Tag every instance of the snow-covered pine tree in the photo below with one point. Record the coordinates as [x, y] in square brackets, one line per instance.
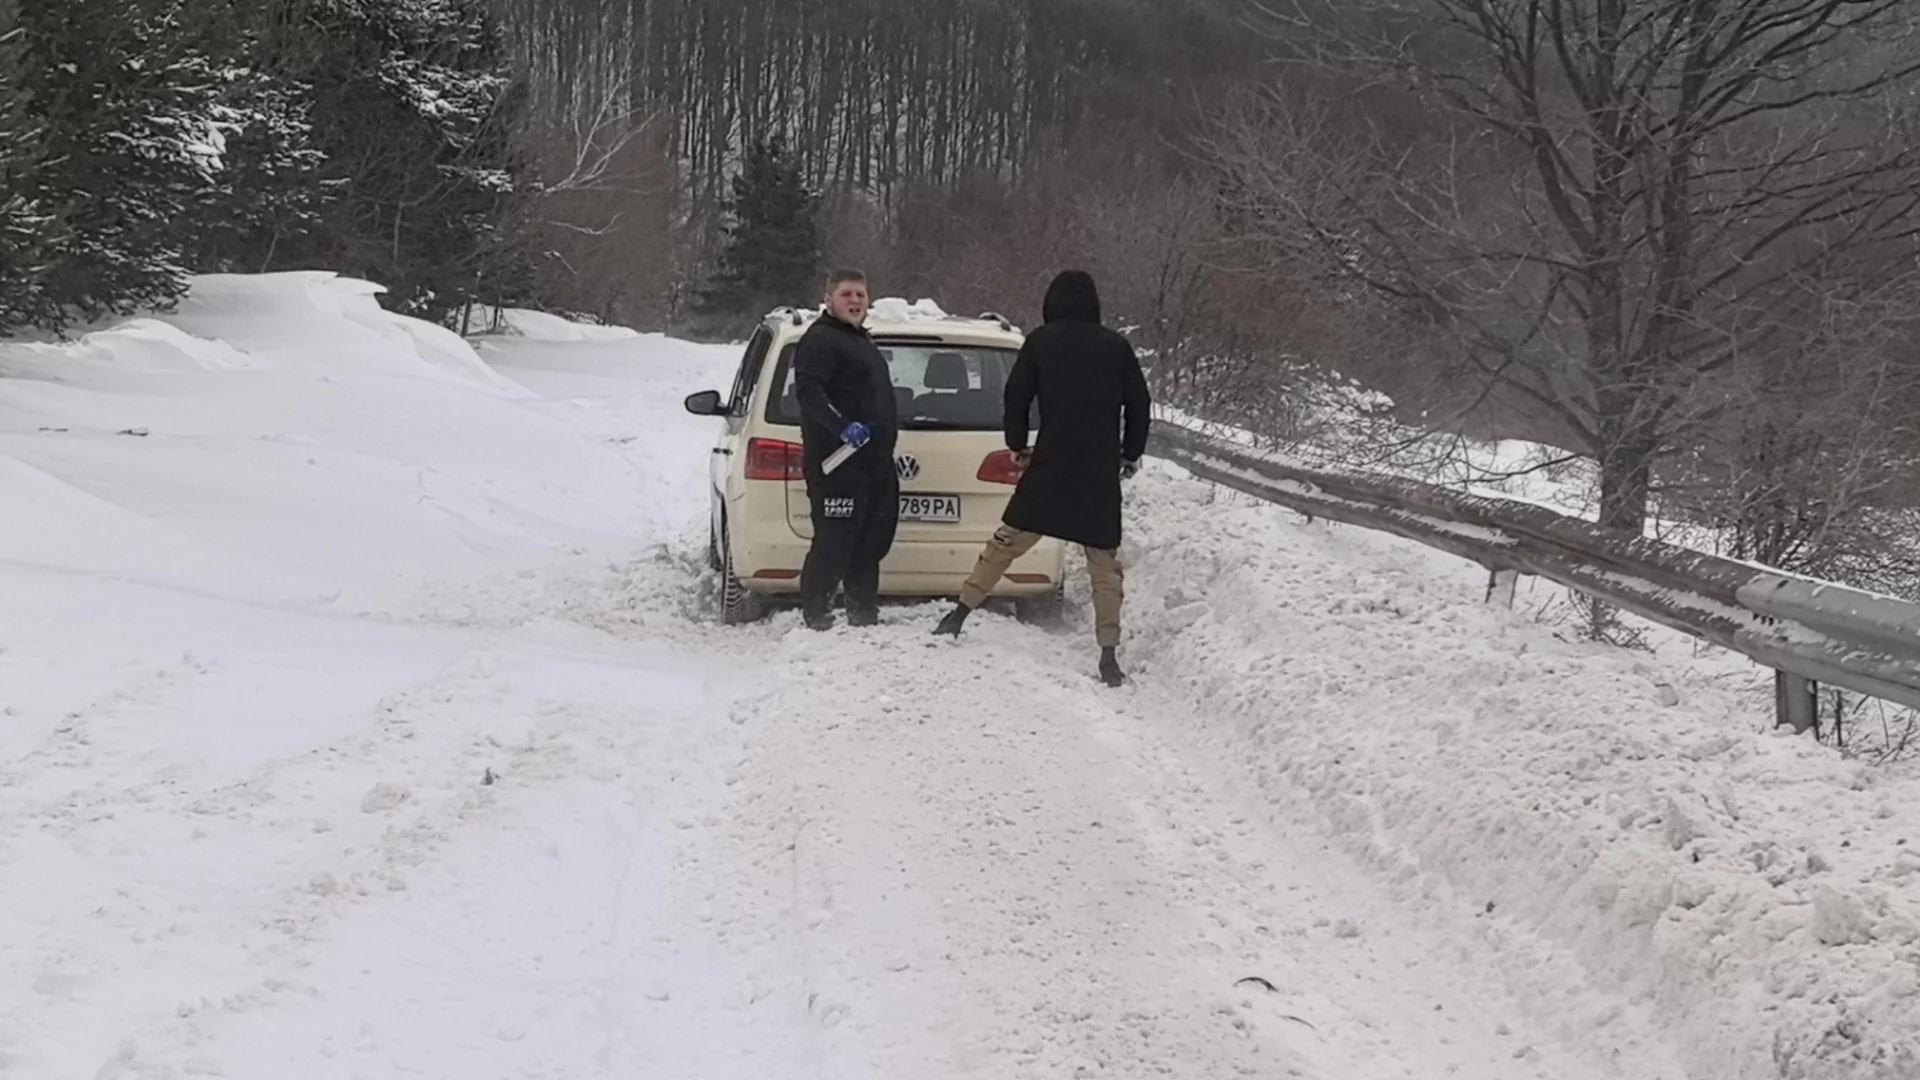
[268, 194]
[270, 191]
[123, 148]
[24, 231]
[772, 253]
[415, 107]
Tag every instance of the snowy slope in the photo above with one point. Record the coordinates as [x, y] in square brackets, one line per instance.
[361, 715]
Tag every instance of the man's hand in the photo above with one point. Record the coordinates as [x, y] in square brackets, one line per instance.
[1128, 469]
[855, 434]
[1023, 458]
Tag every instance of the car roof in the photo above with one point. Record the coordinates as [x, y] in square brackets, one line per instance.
[891, 317]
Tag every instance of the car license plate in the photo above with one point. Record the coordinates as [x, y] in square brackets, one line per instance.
[939, 508]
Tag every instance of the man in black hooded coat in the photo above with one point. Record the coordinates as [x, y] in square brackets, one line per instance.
[1094, 416]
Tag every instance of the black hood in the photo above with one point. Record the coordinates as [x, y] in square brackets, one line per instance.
[1072, 297]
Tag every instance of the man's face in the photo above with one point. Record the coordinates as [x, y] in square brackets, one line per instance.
[848, 302]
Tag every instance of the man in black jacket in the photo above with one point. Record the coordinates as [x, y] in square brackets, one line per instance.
[1094, 416]
[846, 398]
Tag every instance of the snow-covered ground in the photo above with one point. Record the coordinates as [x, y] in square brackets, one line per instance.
[362, 715]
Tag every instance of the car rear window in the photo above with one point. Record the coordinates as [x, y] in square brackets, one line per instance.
[938, 387]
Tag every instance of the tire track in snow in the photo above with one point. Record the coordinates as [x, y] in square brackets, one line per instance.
[979, 771]
[1356, 983]
[1377, 969]
[564, 940]
[903, 857]
[981, 902]
[223, 887]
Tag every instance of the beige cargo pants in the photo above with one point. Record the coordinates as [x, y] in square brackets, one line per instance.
[1009, 543]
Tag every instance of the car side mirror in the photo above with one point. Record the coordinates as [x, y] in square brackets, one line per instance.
[706, 403]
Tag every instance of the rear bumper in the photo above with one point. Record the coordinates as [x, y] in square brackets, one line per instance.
[911, 568]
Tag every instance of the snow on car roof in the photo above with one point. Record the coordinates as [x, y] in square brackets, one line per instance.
[896, 311]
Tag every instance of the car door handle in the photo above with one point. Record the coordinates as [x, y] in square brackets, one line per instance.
[723, 451]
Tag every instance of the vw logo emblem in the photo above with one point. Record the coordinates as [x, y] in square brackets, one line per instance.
[907, 466]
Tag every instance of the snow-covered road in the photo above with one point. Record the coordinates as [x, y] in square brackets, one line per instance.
[734, 854]
[393, 737]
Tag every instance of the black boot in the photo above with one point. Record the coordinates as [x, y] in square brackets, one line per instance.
[863, 616]
[1110, 668]
[818, 619]
[951, 623]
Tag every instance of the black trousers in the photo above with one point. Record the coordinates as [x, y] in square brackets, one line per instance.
[856, 511]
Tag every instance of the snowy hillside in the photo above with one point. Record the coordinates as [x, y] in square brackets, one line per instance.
[362, 715]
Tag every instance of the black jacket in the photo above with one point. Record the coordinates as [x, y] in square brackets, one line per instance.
[1094, 412]
[839, 376]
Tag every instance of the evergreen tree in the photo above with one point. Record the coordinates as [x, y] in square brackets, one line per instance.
[772, 253]
[123, 147]
[268, 195]
[24, 230]
[414, 108]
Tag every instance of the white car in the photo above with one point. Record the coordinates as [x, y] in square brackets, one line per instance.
[956, 474]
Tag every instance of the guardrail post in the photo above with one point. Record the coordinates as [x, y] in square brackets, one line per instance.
[1796, 701]
[1500, 586]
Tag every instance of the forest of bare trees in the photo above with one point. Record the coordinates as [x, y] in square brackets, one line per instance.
[914, 120]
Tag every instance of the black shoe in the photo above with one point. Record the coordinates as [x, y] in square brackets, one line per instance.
[863, 617]
[819, 620]
[1110, 669]
[951, 623]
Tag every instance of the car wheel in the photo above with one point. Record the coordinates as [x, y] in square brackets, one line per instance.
[1049, 609]
[713, 549]
[737, 604]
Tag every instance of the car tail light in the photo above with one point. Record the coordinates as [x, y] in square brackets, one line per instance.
[771, 459]
[1000, 467]
[1029, 579]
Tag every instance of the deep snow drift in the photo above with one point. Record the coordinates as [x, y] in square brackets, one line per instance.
[361, 716]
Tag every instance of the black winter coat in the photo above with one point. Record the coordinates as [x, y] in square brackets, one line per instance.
[840, 376]
[1094, 412]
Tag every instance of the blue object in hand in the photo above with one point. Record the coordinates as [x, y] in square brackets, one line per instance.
[855, 434]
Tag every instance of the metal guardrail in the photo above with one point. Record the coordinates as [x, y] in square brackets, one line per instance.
[1810, 632]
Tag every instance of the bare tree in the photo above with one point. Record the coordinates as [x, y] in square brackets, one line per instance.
[607, 220]
[1811, 470]
[1607, 201]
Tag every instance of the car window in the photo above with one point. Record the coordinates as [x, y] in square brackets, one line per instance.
[938, 387]
[749, 373]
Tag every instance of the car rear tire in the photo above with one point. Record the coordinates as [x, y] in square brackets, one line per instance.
[1049, 609]
[713, 550]
[737, 605]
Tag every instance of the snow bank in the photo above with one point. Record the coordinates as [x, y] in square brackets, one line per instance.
[282, 437]
[1342, 425]
[541, 326]
[1760, 895]
[255, 558]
